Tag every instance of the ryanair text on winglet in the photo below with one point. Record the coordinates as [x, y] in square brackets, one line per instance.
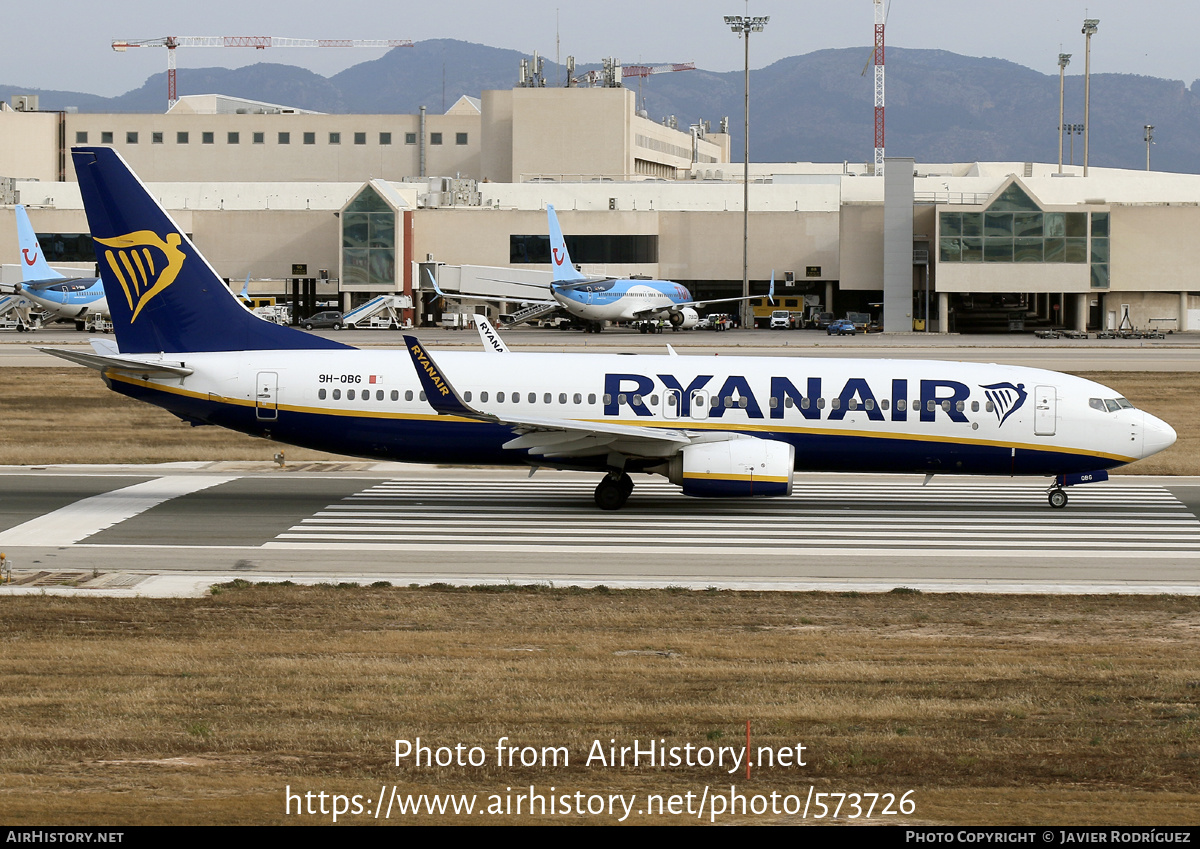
[424, 362]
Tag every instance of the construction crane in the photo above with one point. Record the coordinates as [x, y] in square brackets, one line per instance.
[258, 42]
[607, 76]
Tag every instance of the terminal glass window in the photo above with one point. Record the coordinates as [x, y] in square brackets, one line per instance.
[1014, 229]
[589, 249]
[460, 138]
[156, 138]
[285, 138]
[181, 137]
[207, 138]
[131, 138]
[385, 138]
[233, 138]
[410, 138]
[81, 137]
[369, 241]
[360, 138]
[435, 138]
[335, 138]
[310, 138]
[106, 137]
[260, 138]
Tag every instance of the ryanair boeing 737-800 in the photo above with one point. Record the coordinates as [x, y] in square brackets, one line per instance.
[715, 426]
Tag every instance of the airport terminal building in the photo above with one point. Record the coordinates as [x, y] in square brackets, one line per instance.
[349, 206]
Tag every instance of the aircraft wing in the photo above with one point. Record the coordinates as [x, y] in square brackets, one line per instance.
[461, 296]
[132, 365]
[706, 302]
[544, 436]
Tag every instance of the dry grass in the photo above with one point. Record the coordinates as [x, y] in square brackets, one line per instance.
[993, 709]
[66, 415]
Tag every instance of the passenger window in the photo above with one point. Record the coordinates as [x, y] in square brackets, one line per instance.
[835, 404]
[408, 396]
[592, 398]
[562, 397]
[728, 401]
[607, 399]
[742, 402]
[483, 397]
[395, 394]
[622, 399]
[500, 397]
[349, 394]
[337, 394]
[805, 403]
[774, 403]
[654, 400]
[532, 397]
[321, 394]
[547, 398]
[422, 395]
[467, 395]
[578, 398]
[960, 406]
[902, 404]
[990, 407]
[869, 404]
[931, 405]
[974, 406]
[820, 403]
[883, 405]
[852, 404]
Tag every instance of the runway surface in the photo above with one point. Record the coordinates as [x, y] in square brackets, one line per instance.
[175, 530]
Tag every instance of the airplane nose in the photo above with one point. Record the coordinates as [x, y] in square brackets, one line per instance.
[1158, 435]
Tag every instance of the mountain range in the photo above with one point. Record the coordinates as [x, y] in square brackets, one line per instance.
[819, 106]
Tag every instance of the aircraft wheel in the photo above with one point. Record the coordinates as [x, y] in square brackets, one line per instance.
[612, 494]
[1058, 498]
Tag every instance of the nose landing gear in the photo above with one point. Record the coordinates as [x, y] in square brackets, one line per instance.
[1057, 497]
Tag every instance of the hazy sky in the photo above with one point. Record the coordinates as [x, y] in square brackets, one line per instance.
[67, 45]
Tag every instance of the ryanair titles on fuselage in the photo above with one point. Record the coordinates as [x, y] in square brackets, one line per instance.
[950, 397]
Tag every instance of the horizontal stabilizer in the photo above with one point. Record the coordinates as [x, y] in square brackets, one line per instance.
[101, 362]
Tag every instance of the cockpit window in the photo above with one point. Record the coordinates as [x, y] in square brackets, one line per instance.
[1112, 405]
[1096, 404]
[1124, 405]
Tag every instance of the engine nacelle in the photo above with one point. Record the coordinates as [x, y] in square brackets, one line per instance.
[734, 468]
[685, 318]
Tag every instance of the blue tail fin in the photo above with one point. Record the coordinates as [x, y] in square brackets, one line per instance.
[560, 260]
[162, 294]
[33, 261]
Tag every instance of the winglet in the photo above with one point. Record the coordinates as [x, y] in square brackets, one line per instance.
[560, 260]
[438, 392]
[33, 260]
[433, 283]
[488, 335]
[771, 291]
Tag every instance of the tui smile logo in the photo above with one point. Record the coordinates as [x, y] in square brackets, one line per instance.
[25, 253]
[144, 264]
[1006, 398]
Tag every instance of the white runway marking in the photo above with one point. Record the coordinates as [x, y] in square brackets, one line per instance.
[89, 516]
[821, 518]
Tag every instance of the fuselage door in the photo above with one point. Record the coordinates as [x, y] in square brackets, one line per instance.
[1045, 410]
[266, 394]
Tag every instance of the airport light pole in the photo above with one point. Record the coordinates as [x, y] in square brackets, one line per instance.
[1064, 59]
[1090, 25]
[743, 25]
[1148, 138]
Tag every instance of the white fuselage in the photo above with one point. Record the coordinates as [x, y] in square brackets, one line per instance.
[860, 415]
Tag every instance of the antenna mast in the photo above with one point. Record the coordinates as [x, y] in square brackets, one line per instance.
[879, 22]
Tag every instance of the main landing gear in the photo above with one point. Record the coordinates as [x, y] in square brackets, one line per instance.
[613, 491]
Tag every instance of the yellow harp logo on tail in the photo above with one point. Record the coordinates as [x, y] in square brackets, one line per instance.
[144, 264]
